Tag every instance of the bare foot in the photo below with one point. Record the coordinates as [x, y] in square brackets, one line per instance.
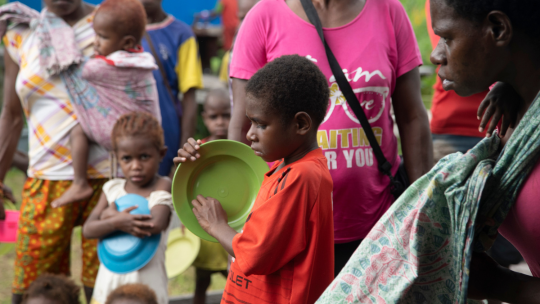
[75, 193]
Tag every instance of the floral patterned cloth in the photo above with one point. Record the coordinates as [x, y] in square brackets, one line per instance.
[104, 88]
[420, 250]
[58, 46]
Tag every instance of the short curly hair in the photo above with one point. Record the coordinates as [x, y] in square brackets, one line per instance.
[137, 124]
[130, 16]
[54, 287]
[291, 84]
[140, 292]
[524, 14]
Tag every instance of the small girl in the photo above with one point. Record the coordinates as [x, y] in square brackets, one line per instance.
[137, 140]
[52, 289]
[118, 80]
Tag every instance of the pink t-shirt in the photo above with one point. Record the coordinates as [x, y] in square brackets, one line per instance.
[374, 49]
[521, 227]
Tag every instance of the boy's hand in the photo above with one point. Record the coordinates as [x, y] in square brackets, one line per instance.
[209, 213]
[189, 151]
[134, 224]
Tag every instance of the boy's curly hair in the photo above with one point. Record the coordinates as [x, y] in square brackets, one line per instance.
[138, 292]
[137, 124]
[291, 84]
[130, 16]
[55, 287]
[524, 14]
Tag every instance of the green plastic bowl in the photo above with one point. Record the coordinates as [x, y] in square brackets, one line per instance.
[228, 171]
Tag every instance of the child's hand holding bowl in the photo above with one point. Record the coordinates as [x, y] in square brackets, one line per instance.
[210, 214]
[137, 225]
[189, 151]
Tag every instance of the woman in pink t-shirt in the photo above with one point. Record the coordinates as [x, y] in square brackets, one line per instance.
[375, 45]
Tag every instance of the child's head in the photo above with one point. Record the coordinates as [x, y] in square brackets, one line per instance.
[286, 102]
[119, 25]
[137, 140]
[52, 289]
[217, 113]
[132, 294]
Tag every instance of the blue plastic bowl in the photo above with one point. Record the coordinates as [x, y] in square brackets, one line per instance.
[122, 252]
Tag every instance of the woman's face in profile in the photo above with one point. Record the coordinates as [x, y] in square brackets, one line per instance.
[62, 8]
[466, 53]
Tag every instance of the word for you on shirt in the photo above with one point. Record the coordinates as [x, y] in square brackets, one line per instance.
[344, 141]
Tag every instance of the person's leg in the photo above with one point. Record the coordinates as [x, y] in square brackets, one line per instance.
[43, 244]
[16, 299]
[90, 261]
[80, 190]
[342, 254]
[202, 281]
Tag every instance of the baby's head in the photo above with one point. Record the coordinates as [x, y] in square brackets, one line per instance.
[137, 140]
[119, 25]
[52, 289]
[217, 113]
[132, 294]
[286, 102]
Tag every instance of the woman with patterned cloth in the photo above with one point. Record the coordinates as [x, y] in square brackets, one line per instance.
[32, 87]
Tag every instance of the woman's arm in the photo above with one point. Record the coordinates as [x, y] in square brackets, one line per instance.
[11, 121]
[189, 116]
[239, 125]
[413, 124]
[488, 280]
[134, 224]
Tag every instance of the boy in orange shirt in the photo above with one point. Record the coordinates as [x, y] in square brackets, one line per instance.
[285, 252]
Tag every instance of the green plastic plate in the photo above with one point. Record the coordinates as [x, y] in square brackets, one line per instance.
[228, 171]
[182, 249]
[7, 247]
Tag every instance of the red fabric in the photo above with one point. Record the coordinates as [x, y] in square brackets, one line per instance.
[285, 253]
[521, 226]
[451, 113]
[107, 60]
[230, 21]
[229, 15]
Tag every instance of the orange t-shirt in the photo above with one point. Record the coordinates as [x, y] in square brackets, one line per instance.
[451, 113]
[285, 253]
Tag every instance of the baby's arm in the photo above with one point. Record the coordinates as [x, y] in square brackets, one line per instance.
[134, 224]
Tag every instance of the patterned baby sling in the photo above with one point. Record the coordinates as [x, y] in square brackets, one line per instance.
[420, 250]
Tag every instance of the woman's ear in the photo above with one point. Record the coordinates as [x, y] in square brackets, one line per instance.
[500, 28]
[129, 42]
[303, 123]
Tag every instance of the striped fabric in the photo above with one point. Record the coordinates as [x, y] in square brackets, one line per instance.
[47, 107]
